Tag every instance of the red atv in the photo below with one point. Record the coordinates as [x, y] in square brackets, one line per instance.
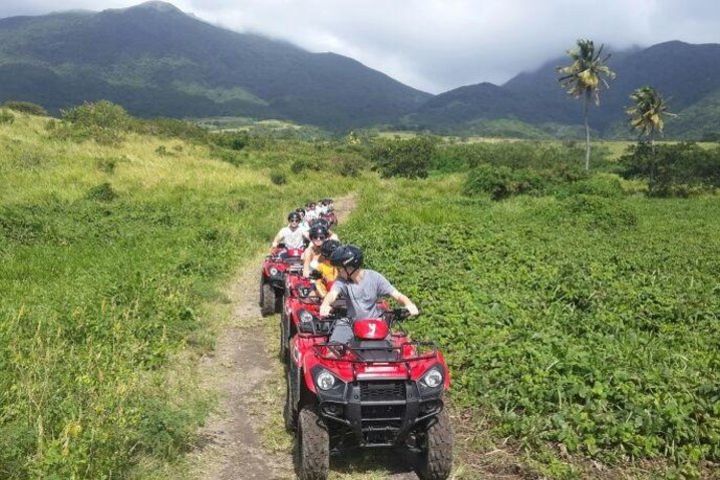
[300, 297]
[275, 267]
[378, 390]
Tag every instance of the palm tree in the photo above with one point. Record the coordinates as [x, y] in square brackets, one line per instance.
[647, 115]
[583, 79]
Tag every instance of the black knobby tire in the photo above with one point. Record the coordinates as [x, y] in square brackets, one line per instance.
[284, 338]
[313, 446]
[289, 413]
[267, 299]
[436, 458]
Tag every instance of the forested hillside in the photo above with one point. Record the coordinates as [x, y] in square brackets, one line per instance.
[157, 61]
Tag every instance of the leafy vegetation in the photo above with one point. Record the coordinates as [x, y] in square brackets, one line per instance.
[583, 321]
[674, 169]
[403, 158]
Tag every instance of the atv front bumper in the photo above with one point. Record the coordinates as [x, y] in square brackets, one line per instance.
[380, 413]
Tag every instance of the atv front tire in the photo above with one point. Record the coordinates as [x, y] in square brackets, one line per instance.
[267, 299]
[313, 446]
[289, 413]
[436, 458]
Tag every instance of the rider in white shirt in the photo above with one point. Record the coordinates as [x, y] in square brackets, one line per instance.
[292, 235]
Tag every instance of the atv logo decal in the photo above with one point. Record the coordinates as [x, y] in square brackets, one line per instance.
[373, 327]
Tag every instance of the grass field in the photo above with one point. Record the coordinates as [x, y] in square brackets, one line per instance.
[580, 329]
[107, 256]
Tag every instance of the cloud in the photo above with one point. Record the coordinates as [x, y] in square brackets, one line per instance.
[436, 45]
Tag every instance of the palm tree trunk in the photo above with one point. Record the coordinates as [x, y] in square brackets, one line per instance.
[587, 132]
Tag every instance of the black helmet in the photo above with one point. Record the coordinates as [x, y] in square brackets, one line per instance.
[347, 256]
[318, 231]
[328, 247]
[323, 222]
[294, 216]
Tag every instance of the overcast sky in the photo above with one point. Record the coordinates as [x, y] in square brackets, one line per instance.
[436, 45]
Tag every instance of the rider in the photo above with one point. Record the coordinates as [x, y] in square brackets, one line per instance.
[310, 212]
[328, 272]
[311, 256]
[292, 235]
[321, 208]
[362, 288]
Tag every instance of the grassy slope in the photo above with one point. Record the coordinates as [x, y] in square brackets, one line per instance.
[99, 294]
[587, 321]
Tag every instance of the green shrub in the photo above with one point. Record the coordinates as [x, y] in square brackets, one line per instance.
[278, 178]
[26, 107]
[102, 114]
[674, 170]
[171, 127]
[403, 158]
[502, 182]
[598, 212]
[602, 185]
[232, 140]
[229, 156]
[6, 117]
[102, 121]
[163, 151]
[348, 165]
[301, 164]
[108, 164]
[566, 158]
[102, 193]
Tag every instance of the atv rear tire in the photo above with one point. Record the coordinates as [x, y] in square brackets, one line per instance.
[436, 458]
[267, 299]
[313, 446]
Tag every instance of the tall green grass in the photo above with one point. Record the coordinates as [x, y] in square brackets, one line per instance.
[107, 255]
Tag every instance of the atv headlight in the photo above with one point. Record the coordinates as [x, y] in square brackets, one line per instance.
[325, 380]
[305, 316]
[433, 378]
[273, 271]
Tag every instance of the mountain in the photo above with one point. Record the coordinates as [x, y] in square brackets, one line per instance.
[688, 75]
[156, 60]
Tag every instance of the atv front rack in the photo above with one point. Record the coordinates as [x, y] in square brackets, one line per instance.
[418, 351]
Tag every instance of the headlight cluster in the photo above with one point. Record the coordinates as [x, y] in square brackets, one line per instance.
[433, 378]
[273, 271]
[306, 316]
[325, 380]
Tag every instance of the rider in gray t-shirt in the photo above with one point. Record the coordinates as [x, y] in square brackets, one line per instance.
[361, 288]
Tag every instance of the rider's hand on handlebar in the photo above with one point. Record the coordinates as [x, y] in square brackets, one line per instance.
[412, 309]
[325, 310]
